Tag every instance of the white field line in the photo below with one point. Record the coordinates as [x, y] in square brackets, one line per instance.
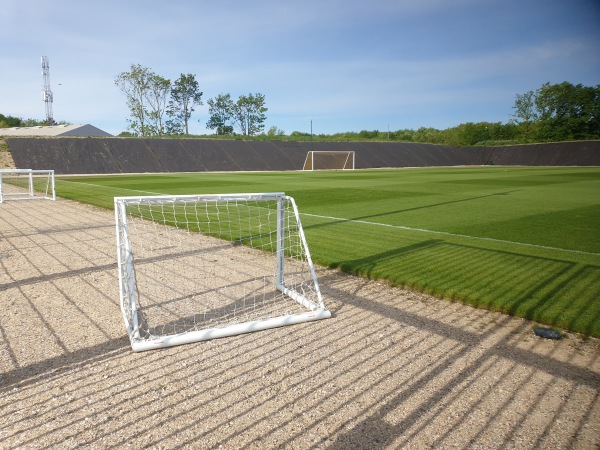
[399, 227]
[110, 187]
[445, 233]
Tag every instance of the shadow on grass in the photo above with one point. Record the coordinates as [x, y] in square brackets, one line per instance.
[549, 290]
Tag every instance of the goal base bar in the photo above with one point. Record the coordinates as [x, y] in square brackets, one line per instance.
[232, 330]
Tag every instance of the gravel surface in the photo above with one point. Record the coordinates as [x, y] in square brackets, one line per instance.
[391, 369]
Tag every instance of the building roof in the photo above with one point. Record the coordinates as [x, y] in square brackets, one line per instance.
[54, 130]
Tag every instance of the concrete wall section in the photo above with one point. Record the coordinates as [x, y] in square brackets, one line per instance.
[127, 155]
[583, 153]
[117, 155]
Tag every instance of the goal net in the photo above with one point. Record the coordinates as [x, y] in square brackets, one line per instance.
[26, 184]
[198, 267]
[323, 160]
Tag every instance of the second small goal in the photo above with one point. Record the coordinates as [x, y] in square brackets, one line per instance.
[26, 184]
[329, 160]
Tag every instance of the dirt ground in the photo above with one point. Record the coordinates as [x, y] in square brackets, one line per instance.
[6, 160]
[391, 368]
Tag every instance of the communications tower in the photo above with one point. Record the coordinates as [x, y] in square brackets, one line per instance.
[46, 92]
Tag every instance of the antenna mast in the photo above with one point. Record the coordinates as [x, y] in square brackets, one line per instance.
[46, 92]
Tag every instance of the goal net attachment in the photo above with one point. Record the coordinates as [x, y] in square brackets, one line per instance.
[323, 160]
[199, 267]
[26, 184]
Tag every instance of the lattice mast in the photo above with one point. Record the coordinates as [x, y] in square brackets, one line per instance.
[46, 91]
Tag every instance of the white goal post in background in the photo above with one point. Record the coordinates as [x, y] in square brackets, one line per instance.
[26, 184]
[325, 160]
[199, 267]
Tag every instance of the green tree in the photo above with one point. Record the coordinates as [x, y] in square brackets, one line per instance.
[249, 113]
[525, 113]
[568, 112]
[429, 135]
[157, 97]
[185, 95]
[221, 110]
[9, 121]
[134, 85]
[274, 131]
[146, 95]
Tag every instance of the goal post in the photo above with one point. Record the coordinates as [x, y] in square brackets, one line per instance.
[26, 184]
[199, 267]
[329, 160]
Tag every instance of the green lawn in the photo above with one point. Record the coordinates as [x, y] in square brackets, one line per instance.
[521, 240]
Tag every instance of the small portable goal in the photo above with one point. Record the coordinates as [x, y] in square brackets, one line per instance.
[198, 267]
[26, 184]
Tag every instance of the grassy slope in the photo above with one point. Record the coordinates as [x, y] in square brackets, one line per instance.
[473, 215]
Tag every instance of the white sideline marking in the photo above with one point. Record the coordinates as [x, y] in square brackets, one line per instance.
[110, 187]
[400, 227]
[445, 233]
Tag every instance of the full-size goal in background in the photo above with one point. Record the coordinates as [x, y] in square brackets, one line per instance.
[324, 160]
[26, 184]
[198, 267]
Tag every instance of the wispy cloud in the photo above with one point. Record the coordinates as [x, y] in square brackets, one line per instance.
[353, 64]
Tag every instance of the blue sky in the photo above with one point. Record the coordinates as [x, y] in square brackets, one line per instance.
[345, 65]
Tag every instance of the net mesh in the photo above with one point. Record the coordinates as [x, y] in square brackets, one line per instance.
[26, 184]
[334, 160]
[208, 263]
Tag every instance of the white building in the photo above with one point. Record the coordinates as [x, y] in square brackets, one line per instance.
[54, 131]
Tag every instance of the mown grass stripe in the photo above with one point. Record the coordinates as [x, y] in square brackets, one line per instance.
[112, 187]
[521, 240]
[445, 233]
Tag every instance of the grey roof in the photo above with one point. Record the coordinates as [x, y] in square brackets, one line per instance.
[54, 130]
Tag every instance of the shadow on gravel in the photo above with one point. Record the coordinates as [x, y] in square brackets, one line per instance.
[392, 369]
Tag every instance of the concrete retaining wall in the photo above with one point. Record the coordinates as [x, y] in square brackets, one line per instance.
[71, 155]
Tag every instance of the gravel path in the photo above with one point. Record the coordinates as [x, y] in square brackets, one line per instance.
[391, 369]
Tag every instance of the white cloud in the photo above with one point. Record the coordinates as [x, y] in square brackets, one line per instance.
[310, 59]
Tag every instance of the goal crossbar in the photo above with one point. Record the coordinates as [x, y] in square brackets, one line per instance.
[329, 160]
[199, 267]
[27, 184]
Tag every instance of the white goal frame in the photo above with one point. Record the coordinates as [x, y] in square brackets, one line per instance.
[27, 184]
[337, 160]
[176, 265]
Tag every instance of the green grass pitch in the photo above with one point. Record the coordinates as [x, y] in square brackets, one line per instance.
[520, 240]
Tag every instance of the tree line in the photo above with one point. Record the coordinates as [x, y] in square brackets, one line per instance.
[552, 113]
[559, 112]
[12, 122]
[160, 107]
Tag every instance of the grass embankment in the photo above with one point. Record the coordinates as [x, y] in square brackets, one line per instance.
[523, 241]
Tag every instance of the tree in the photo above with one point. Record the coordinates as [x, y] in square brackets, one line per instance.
[274, 131]
[559, 112]
[221, 110]
[249, 113]
[525, 113]
[9, 121]
[156, 96]
[185, 94]
[568, 111]
[146, 95]
[134, 85]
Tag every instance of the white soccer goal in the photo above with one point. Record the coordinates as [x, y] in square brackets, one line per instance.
[198, 267]
[324, 160]
[26, 184]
